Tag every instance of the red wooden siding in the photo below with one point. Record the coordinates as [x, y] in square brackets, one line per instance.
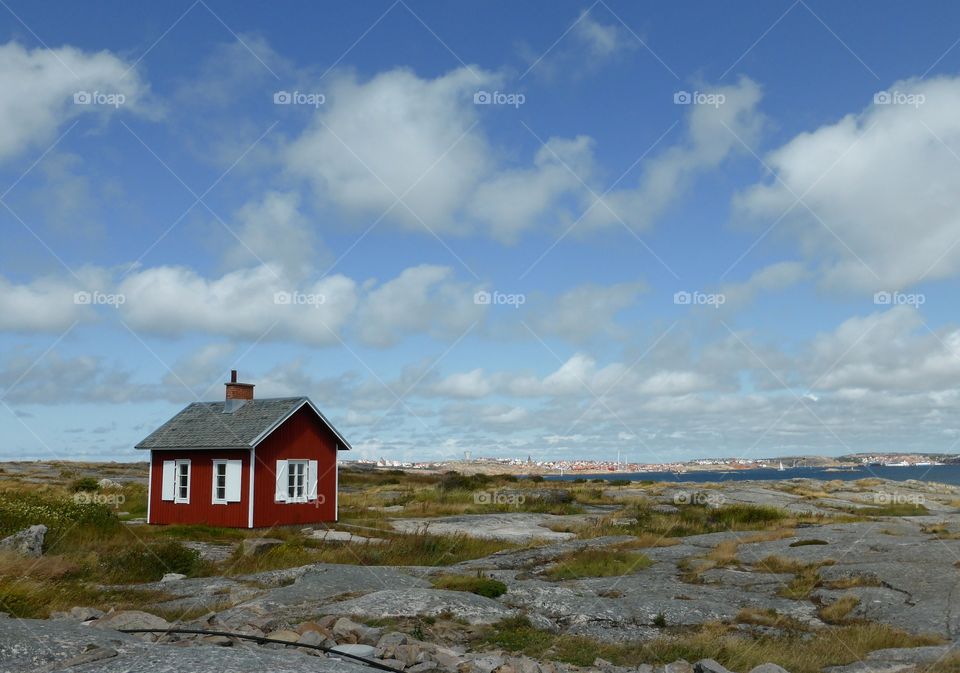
[200, 508]
[302, 437]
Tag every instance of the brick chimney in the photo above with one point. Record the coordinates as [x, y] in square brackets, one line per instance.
[237, 393]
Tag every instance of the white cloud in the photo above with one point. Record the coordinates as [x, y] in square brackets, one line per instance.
[247, 304]
[771, 278]
[31, 377]
[49, 303]
[394, 135]
[515, 200]
[37, 88]
[202, 369]
[892, 350]
[601, 40]
[466, 384]
[584, 312]
[273, 231]
[883, 187]
[714, 133]
[422, 299]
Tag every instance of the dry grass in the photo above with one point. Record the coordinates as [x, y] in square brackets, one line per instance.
[603, 562]
[799, 652]
[854, 581]
[949, 664]
[838, 611]
[806, 576]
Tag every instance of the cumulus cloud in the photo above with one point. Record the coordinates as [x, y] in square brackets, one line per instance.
[421, 299]
[714, 133]
[772, 278]
[892, 350]
[396, 135]
[201, 369]
[31, 377]
[585, 312]
[251, 303]
[517, 199]
[601, 40]
[37, 88]
[274, 231]
[880, 190]
[51, 303]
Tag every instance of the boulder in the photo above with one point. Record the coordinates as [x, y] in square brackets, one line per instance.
[131, 619]
[768, 668]
[258, 545]
[311, 638]
[28, 541]
[392, 638]
[85, 614]
[486, 663]
[709, 666]
[173, 577]
[348, 631]
[285, 635]
[409, 654]
[355, 649]
[422, 667]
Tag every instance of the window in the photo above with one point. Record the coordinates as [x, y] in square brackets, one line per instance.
[227, 475]
[219, 482]
[296, 481]
[182, 492]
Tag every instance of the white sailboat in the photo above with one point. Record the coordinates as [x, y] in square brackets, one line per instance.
[781, 468]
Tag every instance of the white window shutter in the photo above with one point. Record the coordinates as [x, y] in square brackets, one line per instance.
[312, 476]
[234, 477]
[281, 491]
[169, 483]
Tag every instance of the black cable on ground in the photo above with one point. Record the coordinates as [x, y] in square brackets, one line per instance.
[263, 639]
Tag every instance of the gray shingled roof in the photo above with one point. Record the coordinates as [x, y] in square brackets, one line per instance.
[203, 425]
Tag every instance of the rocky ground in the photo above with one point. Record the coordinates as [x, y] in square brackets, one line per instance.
[895, 570]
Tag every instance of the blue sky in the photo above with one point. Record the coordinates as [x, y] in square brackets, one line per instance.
[322, 197]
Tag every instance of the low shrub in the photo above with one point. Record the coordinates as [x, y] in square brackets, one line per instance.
[84, 484]
[478, 584]
[19, 509]
[604, 562]
[149, 562]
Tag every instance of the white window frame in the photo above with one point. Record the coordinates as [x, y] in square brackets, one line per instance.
[177, 498]
[217, 464]
[298, 481]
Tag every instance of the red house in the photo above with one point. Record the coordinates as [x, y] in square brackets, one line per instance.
[244, 463]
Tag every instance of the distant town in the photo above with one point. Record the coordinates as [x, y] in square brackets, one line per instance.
[529, 465]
